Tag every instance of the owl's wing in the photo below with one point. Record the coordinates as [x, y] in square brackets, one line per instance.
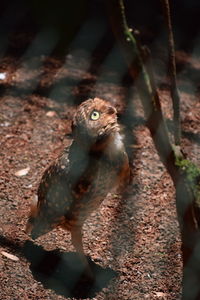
[53, 186]
[53, 198]
[63, 186]
[66, 181]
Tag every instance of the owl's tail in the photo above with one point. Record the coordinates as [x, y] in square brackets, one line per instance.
[36, 224]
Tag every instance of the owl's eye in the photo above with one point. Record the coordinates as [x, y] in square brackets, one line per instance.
[95, 115]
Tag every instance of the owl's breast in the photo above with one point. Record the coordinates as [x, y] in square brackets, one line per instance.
[97, 181]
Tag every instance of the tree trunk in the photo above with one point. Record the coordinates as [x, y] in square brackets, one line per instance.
[169, 154]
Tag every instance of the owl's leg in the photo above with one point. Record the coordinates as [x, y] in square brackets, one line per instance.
[76, 234]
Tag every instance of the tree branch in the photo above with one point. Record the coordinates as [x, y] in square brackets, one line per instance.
[149, 96]
[172, 73]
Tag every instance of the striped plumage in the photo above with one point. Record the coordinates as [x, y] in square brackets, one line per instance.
[78, 181]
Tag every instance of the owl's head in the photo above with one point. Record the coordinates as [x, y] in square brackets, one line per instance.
[95, 120]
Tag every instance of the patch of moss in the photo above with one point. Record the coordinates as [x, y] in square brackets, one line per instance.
[192, 173]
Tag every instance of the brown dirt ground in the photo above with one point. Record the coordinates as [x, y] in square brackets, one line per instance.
[134, 243]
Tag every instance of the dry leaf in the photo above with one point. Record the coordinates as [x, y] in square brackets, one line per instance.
[10, 256]
[22, 172]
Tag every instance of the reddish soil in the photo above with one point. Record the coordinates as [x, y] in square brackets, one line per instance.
[133, 243]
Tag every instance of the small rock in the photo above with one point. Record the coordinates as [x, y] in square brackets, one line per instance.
[5, 124]
[51, 114]
[2, 76]
[22, 172]
[160, 294]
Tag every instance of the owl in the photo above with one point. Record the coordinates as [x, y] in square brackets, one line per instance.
[78, 181]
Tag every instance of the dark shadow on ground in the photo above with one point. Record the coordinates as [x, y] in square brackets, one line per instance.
[193, 137]
[62, 272]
